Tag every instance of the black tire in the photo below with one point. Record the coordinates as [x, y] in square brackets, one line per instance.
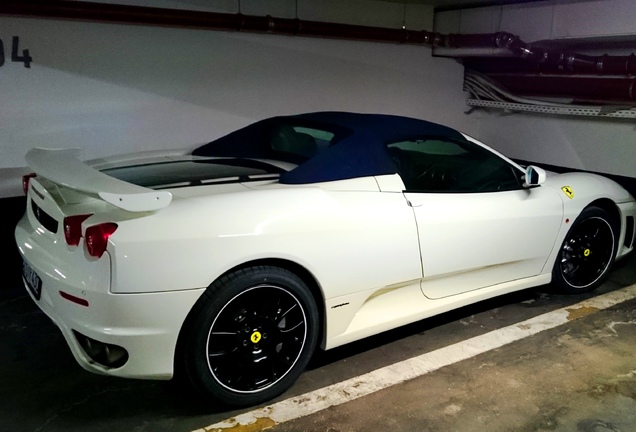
[250, 335]
[587, 252]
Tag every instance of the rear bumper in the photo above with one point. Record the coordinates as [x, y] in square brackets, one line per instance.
[146, 325]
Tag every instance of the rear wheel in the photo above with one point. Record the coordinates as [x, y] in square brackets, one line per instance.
[251, 335]
[587, 253]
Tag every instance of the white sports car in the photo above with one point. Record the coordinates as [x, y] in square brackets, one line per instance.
[233, 262]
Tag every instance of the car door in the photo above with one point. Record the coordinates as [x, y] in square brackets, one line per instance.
[477, 225]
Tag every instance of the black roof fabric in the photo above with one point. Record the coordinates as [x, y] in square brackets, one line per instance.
[358, 148]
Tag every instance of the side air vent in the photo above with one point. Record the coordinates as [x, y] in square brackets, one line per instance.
[44, 218]
[629, 232]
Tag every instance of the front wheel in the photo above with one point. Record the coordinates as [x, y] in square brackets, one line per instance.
[252, 334]
[587, 253]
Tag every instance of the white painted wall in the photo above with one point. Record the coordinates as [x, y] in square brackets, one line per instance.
[110, 89]
[602, 145]
[606, 146]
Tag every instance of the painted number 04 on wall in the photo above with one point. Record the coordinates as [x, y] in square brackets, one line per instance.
[25, 58]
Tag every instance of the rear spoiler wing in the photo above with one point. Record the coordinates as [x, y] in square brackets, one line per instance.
[63, 166]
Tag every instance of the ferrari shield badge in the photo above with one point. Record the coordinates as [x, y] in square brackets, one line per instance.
[567, 190]
[256, 337]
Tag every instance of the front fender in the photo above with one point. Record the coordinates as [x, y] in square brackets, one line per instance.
[579, 190]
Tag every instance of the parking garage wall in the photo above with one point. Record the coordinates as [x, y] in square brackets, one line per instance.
[606, 146]
[111, 89]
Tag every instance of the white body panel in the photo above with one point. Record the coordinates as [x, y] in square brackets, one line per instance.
[487, 237]
[147, 325]
[323, 231]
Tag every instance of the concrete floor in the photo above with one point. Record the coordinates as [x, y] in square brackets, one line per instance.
[577, 378]
[580, 377]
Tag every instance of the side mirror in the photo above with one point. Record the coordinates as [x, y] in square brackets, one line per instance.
[534, 176]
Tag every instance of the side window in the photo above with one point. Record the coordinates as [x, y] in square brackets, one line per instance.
[441, 165]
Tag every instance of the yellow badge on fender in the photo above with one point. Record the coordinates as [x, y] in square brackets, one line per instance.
[567, 190]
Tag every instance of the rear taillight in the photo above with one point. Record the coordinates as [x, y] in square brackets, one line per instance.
[25, 181]
[73, 228]
[97, 238]
[96, 235]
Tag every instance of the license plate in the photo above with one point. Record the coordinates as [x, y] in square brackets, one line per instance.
[33, 281]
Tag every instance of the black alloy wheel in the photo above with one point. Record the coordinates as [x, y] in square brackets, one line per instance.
[587, 253]
[256, 339]
[252, 336]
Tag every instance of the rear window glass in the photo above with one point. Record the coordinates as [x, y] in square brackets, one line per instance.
[289, 141]
[322, 136]
[298, 143]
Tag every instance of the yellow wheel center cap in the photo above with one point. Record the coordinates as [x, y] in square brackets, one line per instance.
[587, 252]
[256, 337]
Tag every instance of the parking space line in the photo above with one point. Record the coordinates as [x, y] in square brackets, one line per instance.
[363, 385]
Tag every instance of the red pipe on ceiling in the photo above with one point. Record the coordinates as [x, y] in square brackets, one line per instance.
[564, 60]
[115, 13]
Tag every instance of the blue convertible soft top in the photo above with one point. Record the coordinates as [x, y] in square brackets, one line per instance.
[356, 146]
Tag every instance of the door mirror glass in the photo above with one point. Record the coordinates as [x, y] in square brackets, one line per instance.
[534, 176]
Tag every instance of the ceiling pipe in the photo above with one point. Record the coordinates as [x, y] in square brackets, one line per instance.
[564, 60]
[524, 78]
[114, 13]
[534, 57]
[541, 72]
[580, 88]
